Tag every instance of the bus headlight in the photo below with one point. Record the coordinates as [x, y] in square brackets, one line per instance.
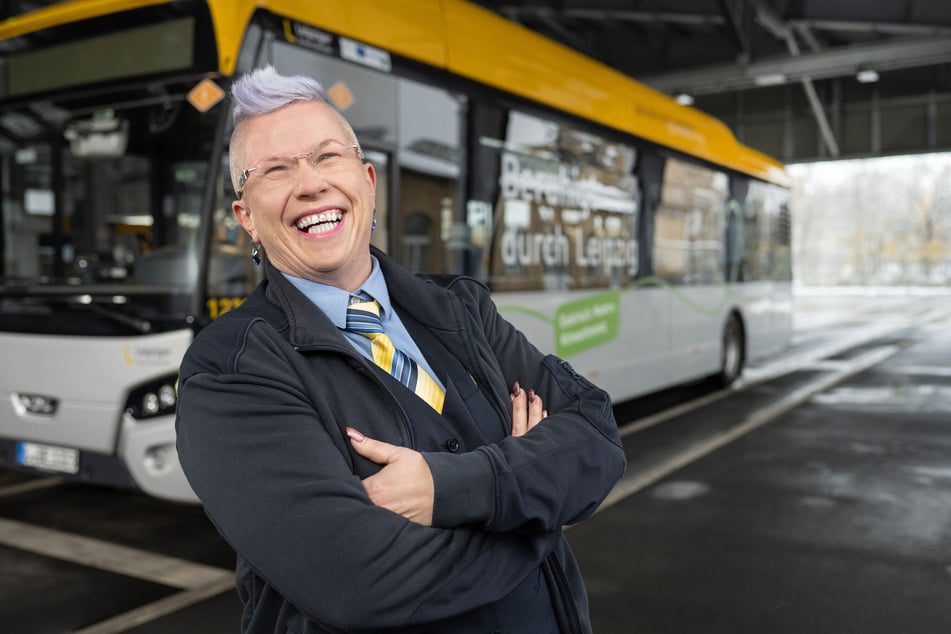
[167, 396]
[150, 404]
[156, 398]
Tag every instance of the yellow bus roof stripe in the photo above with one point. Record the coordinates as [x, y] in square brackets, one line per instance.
[413, 29]
[473, 42]
[66, 12]
[531, 66]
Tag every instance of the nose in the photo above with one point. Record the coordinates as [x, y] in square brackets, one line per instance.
[308, 179]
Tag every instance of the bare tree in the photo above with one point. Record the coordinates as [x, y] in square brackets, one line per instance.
[880, 221]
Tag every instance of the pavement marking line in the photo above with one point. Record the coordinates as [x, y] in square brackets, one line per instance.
[649, 421]
[157, 609]
[627, 487]
[95, 553]
[30, 485]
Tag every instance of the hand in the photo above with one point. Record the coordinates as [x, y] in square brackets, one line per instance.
[527, 410]
[404, 485]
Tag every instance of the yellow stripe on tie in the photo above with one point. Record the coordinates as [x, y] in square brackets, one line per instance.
[363, 317]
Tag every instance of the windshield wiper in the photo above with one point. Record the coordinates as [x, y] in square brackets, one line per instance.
[136, 323]
[82, 300]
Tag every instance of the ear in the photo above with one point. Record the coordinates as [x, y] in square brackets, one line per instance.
[243, 215]
[371, 178]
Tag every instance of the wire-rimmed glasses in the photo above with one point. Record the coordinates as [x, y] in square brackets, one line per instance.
[328, 158]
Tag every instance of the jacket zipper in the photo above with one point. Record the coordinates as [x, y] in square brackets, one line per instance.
[474, 374]
[559, 584]
[568, 617]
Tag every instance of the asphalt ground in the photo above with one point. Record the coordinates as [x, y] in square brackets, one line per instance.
[812, 498]
[832, 516]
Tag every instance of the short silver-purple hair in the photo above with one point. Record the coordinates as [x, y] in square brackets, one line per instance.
[263, 91]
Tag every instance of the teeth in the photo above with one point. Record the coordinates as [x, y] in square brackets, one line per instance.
[319, 223]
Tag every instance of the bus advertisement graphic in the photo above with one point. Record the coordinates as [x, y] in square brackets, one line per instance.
[587, 323]
[567, 209]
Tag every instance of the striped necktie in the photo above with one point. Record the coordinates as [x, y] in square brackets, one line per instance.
[363, 317]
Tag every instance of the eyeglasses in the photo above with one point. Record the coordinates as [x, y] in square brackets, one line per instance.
[279, 171]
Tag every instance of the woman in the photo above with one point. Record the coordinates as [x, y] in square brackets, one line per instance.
[354, 501]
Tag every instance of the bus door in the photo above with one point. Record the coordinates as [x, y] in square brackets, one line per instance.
[411, 132]
[688, 256]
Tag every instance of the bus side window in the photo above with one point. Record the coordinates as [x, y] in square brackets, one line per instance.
[566, 210]
[688, 224]
[417, 242]
[231, 273]
[428, 158]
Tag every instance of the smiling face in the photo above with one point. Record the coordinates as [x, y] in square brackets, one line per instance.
[314, 221]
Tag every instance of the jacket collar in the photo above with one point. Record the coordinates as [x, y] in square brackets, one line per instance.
[425, 301]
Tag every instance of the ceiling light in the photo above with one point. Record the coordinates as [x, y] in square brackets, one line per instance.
[772, 79]
[684, 99]
[867, 76]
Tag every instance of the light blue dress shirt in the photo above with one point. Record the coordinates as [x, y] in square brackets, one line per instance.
[334, 301]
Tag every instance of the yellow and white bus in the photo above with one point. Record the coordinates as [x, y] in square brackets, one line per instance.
[625, 232]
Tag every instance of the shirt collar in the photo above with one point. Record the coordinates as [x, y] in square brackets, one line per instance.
[334, 301]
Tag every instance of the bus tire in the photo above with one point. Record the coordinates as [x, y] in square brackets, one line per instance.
[732, 352]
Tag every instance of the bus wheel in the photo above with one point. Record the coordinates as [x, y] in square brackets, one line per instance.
[731, 352]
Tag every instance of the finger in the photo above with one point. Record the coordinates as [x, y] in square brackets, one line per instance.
[519, 410]
[374, 450]
[535, 409]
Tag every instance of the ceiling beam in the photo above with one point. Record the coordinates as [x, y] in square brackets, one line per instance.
[880, 28]
[781, 30]
[829, 63]
[817, 110]
[516, 12]
[659, 17]
[733, 11]
[550, 19]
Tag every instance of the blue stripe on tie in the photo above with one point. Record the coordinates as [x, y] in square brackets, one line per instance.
[363, 317]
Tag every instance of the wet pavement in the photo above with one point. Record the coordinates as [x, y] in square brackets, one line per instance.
[815, 498]
[833, 517]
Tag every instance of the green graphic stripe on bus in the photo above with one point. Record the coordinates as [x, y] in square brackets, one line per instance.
[730, 291]
[587, 323]
[675, 290]
[514, 308]
[595, 320]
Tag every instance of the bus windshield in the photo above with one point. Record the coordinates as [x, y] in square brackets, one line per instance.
[104, 193]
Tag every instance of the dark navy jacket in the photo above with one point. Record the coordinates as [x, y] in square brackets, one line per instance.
[265, 394]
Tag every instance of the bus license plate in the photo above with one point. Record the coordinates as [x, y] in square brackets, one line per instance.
[48, 457]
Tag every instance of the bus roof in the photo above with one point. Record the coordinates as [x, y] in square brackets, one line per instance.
[472, 42]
